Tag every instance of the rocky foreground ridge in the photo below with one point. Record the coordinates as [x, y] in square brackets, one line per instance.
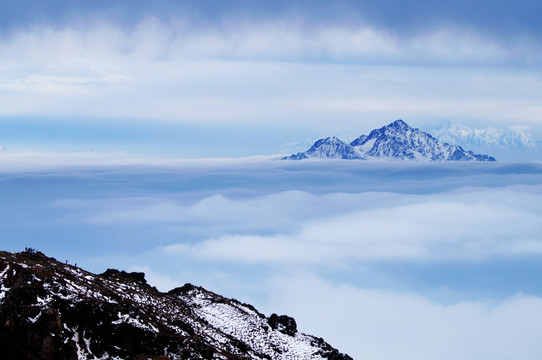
[52, 310]
[397, 141]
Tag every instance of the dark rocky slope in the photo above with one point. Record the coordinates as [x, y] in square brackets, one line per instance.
[51, 310]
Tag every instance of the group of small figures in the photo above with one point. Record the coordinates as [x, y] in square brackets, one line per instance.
[30, 250]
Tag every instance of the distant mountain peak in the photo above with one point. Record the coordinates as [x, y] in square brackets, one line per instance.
[513, 143]
[516, 137]
[394, 141]
[399, 124]
[330, 147]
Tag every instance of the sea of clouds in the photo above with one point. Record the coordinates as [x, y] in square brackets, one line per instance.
[382, 259]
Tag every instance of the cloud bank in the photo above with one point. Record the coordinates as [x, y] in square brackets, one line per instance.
[373, 323]
[427, 230]
[474, 225]
[380, 259]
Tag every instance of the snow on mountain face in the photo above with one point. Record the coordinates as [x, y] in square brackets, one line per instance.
[51, 310]
[330, 147]
[395, 141]
[513, 138]
[400, 141]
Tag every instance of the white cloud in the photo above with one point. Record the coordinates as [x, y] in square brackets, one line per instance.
[14, 161]
[272, 72]
[380, 324]
[469, 226]
[158, 42]
[251, 221]
[32, 160]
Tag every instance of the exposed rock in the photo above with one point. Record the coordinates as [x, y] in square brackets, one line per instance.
[50, 310]
[330, 147]
[395, 141]
[283, 323]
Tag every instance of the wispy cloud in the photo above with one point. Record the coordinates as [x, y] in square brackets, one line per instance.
[266, 71]
[468, 226]
[154, 41]
[31, 160]
[14, 161]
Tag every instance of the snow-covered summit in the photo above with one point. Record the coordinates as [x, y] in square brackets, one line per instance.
[330, 147]
[516, 137]
[400, 141]
[394, 141]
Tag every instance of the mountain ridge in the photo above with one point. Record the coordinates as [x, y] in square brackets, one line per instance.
[51, 310]
[516, 137]
[394, 141]
[330, 147]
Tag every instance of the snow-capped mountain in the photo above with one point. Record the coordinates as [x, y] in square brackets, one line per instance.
[400, 141]
[514, 143]
[395, 141]
[51, 310]
[330, 147]
[513, 138]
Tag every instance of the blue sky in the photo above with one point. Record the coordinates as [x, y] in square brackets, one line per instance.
[143, 135]
[143, 77]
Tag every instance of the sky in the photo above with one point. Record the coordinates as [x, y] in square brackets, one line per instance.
[213, 78]
[146, 136]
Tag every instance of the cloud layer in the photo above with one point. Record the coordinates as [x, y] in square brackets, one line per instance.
[426, 230]
[241, 72]
[372, 323]
[420, 212]
[380, 259]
